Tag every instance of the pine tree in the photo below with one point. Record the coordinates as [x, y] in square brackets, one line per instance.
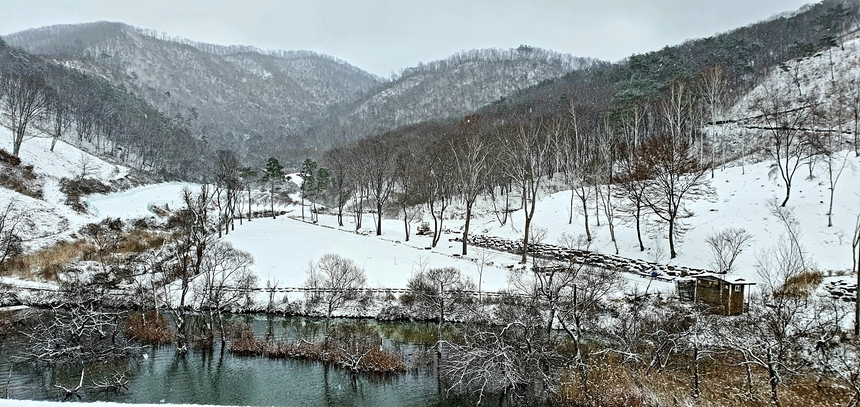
[272, 175]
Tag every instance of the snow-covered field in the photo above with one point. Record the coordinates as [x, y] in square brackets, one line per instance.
[283, 248]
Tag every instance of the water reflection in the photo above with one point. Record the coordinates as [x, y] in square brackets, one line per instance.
[215, 377]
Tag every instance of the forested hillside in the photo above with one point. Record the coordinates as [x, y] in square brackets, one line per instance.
[42, 98]
[450, 88]
[258, 102]
[236, 97]
[744, 57]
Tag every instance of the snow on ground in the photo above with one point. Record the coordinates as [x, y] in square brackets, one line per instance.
[50, 219]
[282, 249]
[811, 76]
[741, 201]
[65, 161]
[136, 202]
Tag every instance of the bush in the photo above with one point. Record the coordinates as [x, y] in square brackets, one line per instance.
[19, 179]
[148, 328]
[74, 189]
[801, 285]
[349, 353]
[8, 158]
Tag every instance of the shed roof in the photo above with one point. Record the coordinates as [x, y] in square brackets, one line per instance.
[724, 278]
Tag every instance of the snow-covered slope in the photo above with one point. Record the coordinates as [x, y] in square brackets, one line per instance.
[50, 218]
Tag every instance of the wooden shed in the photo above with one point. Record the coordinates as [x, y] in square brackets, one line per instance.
[724, 294]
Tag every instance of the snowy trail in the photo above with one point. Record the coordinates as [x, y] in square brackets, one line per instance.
[135, 202]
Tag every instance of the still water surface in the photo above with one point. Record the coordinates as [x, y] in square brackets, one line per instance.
[163, 376]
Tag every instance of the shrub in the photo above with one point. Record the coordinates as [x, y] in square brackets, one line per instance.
[357, 356]
[148, 328]
[8, 158]
[20, 179]
[801, 285]
[74, 189]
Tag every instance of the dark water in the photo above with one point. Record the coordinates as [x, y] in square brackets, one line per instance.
[218, 377]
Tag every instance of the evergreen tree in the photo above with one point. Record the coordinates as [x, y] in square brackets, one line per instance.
[272, 175]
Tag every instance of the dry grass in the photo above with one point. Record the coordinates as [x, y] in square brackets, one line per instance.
[47, 262]
[360, 359]
[137, 241]
[723, 382]
[607, 383]
[21, 180]
[801, 285]
[149, 328]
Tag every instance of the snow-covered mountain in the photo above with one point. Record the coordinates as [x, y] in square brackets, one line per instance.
[234, 93]
[243, 98]
[451, 88]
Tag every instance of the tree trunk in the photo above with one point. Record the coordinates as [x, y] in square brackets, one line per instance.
[526, 239]
[638, 227]
[378, 219]
[466, 227]
[696, 390]
[570, 220]
[672, 253]
[830, 209]
[406, 223]
[584, 200]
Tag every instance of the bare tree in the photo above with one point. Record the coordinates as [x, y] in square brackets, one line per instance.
[726, 245]
[191, 239]
[377, 160]
[224, 283]
[632, 186]
[334, 280]
[828, 145]
[10, 240]
[773, 334]
[712, 86]
[471, 165]
[59, 116]
[513, 361]
[576, 153]
[248, 176]
[788, 143]
[228, 182]
[26, 98]
[528, 155]
[439, 187]
[438, 289]
[341, 189]
[409, 195]
[677, 177]
[606, 178]
[855, 255]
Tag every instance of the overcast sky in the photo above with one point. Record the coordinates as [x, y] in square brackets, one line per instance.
[383, 36]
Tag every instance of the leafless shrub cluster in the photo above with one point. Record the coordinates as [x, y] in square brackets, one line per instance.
[357, 354]
[726, 245]
[148, 328]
